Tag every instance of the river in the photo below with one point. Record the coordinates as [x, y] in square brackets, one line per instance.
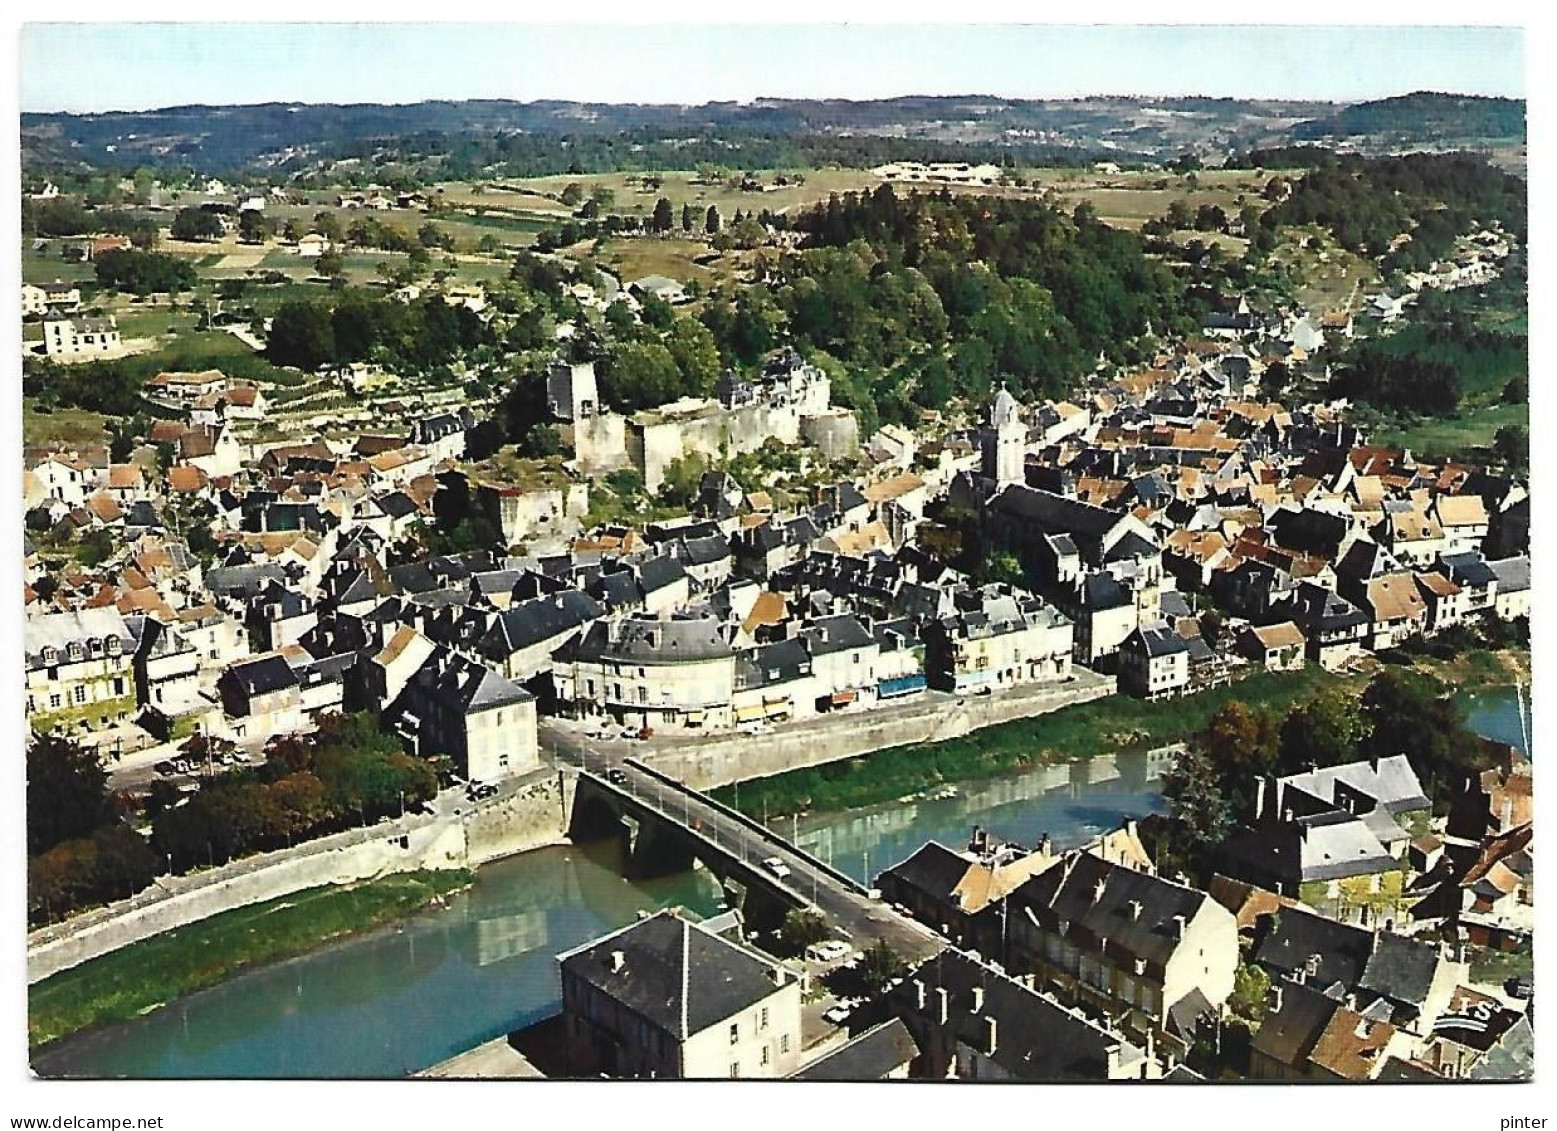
[1495, 714]
[402, 998]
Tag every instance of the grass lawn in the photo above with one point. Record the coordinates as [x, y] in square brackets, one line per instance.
[1327, 278]
[634, 258]
[1071, 734]
[1455, 436]
[1075, 733]
[1496, 966]
[46, 268]
[62, 426]
[148, 974]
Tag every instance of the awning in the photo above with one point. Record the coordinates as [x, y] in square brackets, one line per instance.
[777, 708]
[695, 718]
[843, 698]
[900, 685]
[749, 714]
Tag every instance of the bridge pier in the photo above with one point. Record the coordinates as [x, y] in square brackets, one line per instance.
[658, 849]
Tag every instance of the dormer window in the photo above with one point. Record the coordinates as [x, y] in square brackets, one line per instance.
[73, 651]
[51, 655]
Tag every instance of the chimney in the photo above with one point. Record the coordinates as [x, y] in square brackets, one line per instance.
[1135, 910]
[1097, 892]
[618, 961]
[1275, 998]
[1178, 926]
[993, 1037]
[942, 1004]
[978, 998]
[919, 993]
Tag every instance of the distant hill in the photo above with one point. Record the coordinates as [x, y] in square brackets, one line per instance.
[1421, 116]
[530, 138]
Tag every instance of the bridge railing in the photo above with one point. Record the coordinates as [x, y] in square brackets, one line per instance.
[757, 827]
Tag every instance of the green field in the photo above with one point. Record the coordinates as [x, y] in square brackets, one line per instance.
[146, 975]
[62, 426]
[1457, 436]
[45, 268]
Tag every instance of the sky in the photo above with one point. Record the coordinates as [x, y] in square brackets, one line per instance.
[91, 67]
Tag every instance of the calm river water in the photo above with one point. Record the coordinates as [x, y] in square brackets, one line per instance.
[402, 998]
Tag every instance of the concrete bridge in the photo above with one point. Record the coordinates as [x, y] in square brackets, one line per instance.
[670, 827]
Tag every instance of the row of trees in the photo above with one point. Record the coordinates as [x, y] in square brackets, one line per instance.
[80, 851]
[354, 325]
[144, 272]
[1213, 784]
[350, 772]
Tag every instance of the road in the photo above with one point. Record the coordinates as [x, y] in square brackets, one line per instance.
[944, 714]
[851, 911]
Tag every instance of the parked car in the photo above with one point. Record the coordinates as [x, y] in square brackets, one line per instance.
[830, 950]
[837, 1015]
[616, 774]
[164, 767]
[776, 866]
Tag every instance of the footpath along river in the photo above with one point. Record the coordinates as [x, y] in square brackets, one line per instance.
[402, 998]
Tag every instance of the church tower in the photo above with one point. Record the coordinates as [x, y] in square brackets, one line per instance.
[1003, 441]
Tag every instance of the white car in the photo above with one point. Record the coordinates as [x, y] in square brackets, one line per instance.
[776, 866]
[837, 1015]
[828, 951]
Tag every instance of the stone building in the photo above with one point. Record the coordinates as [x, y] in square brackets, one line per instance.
[664, 998]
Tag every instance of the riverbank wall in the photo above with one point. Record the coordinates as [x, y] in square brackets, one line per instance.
[532, 815]
[709, 764]
[528, 814]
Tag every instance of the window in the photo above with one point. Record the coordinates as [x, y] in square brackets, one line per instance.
[735, 1071]
[784, 1043]
[119, 686]
[80, 693]
[764, 1056]
[54, 702]
[735, 1032]
[643, 695]
[762, 1018]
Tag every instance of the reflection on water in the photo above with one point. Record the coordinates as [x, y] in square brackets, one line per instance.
[1495, 715]
[1069, 802]
[408, 996]
[398, 999]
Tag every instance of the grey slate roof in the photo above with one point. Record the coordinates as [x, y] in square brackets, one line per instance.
[1038, 1038]
[872, 1055]
[1070, 893]
[934, 869]
[1467, 569]
[827, 635]
[772, 664]
[1292, 935]
[675, 975]
[262, 676]
[1156, 640]
[1513, 574]
[543, 618]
